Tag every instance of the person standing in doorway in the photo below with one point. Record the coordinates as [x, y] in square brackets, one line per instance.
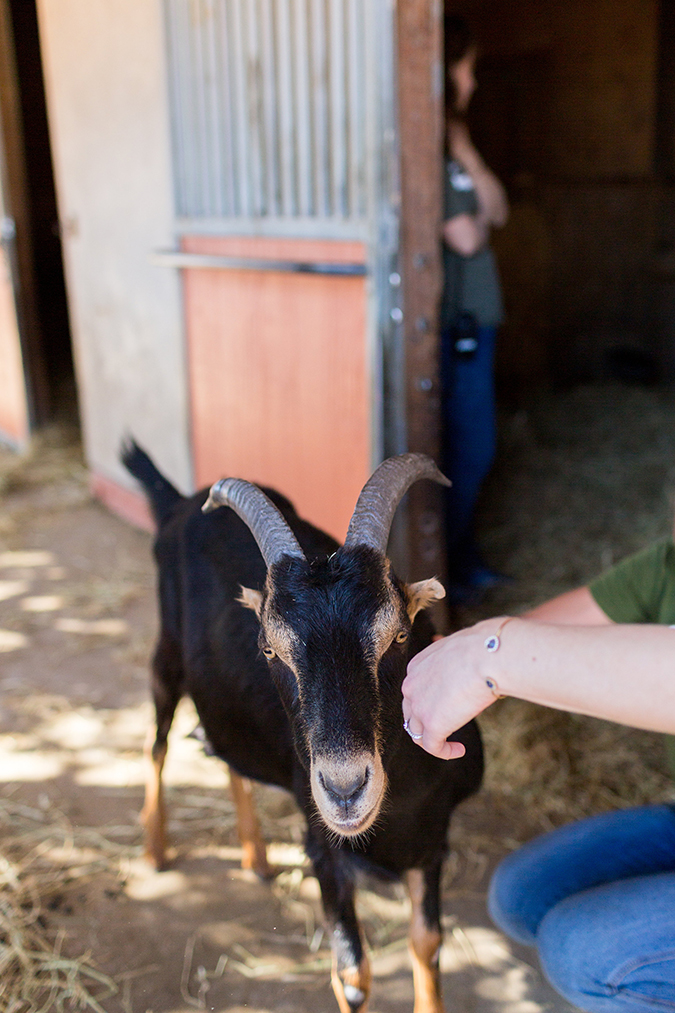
[475, 202]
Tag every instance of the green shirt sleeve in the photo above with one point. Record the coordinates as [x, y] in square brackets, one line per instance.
[641, 588]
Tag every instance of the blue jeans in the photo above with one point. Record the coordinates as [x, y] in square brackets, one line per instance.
[470, 434]
[597, 899]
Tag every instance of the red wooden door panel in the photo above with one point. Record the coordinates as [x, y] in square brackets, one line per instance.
[279, 379]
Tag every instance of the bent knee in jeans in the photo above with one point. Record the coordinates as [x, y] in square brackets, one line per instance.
[613, 947]
[577, 857]
[597, 899]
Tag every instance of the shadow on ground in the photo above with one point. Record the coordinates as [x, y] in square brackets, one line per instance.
[77, 622]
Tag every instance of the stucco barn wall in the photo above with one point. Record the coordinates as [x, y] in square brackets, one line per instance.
[107, 102]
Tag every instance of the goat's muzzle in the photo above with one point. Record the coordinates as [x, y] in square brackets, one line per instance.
[348, 792]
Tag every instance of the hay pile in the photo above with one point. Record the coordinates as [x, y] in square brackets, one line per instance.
[583, 479]
[53, 455]
[41, 855]
[53, 465]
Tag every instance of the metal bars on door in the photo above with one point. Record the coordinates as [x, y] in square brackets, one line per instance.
[272, 103]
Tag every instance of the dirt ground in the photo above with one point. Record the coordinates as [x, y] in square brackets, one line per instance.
[77, 621]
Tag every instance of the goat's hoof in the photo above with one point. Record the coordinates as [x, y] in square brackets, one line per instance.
[157, 859]
[253, 860]
[351, 987]
[267, 872]
[263, 870]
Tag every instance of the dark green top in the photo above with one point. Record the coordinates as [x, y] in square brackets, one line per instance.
[471, 284]
[641, 588]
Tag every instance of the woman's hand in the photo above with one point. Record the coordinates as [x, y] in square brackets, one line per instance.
[618, 672]
[446, 687]
[466, 234]
[461, 146]
[491, 195]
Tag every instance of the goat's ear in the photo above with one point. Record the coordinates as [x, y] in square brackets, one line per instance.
[251, 599]
[423, 594]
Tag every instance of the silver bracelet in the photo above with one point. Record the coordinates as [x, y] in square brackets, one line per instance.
[492, 644]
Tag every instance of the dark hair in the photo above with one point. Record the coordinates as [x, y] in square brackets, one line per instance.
[458, 40]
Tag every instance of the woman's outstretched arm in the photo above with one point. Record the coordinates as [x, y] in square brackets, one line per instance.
[623, 673]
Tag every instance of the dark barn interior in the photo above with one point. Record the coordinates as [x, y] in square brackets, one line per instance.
[575, 111]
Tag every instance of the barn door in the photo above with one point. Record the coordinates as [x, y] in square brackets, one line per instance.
[13, 402]
[14, 424]
[282, 137]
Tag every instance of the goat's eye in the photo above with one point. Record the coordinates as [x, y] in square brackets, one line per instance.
[269, 653]
[401, 637]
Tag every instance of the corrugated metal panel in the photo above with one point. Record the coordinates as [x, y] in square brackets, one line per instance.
[269, 103]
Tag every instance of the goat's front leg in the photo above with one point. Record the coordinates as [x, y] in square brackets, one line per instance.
[351, 971]
[253, 847]
[425, 938]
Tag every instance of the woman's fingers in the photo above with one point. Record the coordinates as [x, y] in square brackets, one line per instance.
[441, 748]
[445, 687]
[413, 727]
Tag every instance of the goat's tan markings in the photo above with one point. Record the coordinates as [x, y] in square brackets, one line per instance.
[254, 850]
[352, 981]
[422, 594]
[385, 627]
[425, 945]
[153, 815]
[281, 638]
[389, 618]
[251, 599]
[279, 635]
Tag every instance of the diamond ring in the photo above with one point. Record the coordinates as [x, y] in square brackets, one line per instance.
[412, 735]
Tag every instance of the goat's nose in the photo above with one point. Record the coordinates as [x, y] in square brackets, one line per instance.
[344, 790]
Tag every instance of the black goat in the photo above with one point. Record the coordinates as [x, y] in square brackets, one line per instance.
[303, 690]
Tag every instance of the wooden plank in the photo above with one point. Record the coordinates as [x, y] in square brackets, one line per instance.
[279, 379]
[303, 107]
[419, 32]
[287, 126]
[337, 109]
[32, 404]
[319, 91]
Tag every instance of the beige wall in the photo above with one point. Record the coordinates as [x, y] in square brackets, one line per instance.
[107, 103]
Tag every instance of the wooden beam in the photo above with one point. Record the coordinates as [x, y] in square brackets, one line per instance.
[420, 103]
[16, 200]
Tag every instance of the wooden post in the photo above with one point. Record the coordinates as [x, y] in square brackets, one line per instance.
[420, 103]
[17, 206]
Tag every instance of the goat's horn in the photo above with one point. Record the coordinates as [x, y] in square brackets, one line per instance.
[382, 493]
[268, 527]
